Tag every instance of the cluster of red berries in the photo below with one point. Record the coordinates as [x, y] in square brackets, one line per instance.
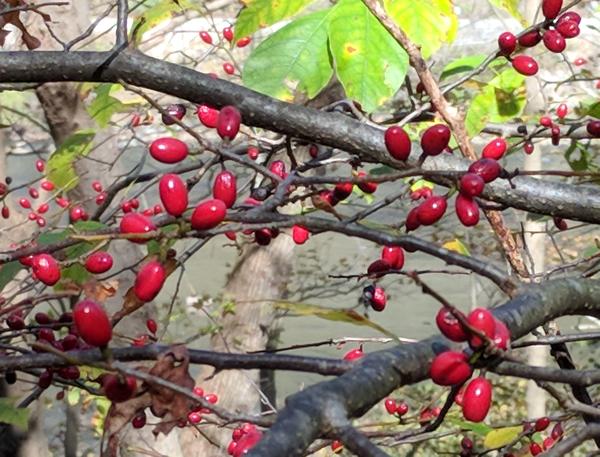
[227, 33]
[554, 34]
[540, 425]
[243, 439]
[394, 407]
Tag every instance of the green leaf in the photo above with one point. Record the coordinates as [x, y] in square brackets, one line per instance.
[501, 437]
[263, 13]
[429, 23]
[462, 65]
[479, 428]
[512, 7]
[156, 14]
[501, 100]
[578, 157]
[369, 63]
[10, 414]
[331, 314]
[294, 59]
[102, 108]
[8, 271]
[60, 168]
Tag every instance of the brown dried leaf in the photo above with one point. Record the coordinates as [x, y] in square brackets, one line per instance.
[100, 291]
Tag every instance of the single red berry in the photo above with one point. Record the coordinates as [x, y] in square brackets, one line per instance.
[152, 326]
[378, 267]
[548, 443]
[205, 36]
[501, 335]
[243, 42]
[41, 221]
[379, 299]
[530, 39]
[450, 368]
[228, 34]
[173, 112]
[435, 139]
[62, 202]
[173, 194]
[168, 150]
[551, 8]
[535, 449]
[77, 213]
[482, 320]
[495, 149]
[5, 212]
[569, 16]
[40, 165]
[48, 186]
[92, 323]
[194, 417]
[579, 61]
[33, 193]
[477, 400]
[561, 111]
[208, 214]
[367, 187]
[390, 405]
[300, 234]
[43, 208]
[32, 216]
[45, 379]
[139, 420]
[99, 262]
[313, 151]
[555, 135]
[46, 334]
[397, 142]
[278, 168]
[466, 443]
[228, 68]
[526, 65]
[412, 220]
[507, 43]
[225, 188]
[25, 203]
[101, 198]
[46, 269]
[126, 206]
[557, 431]
[228, 122]
[471, 185]
[394, 256]
[554, 41]
[149, 281]
[211, 398]
[97, 186]
[118, 389]
[546, 121]
[70, 342]
[528, 147]
[402, 409]
[593, 128]
[432, 210]
[15, 321]
[343, 190]
[253, 152]
[568, 29]
[354, 354]
[337, 446]
[207, 115]
[467, 210]
[71, 373]
[263, 237]
[542, 424]
[450, 326]
[136, 223]
[488, 169]
[42, 318]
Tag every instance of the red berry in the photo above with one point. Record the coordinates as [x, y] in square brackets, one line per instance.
[545, 121]
[278, 168]
[554, 41]
[435, 139]
[525, 65]
[97, 186]
[402, 409]
[40, 165]
[99, 262]
[228, 68]
[477, 400]
[466, 443]
[263, 237]
[228, 34]
[207, 115]
[471, 185]
[173, 112]
[42, 318]
[5, 212]
[507, 43]
[40, 221]
[211, 398]
[43, 208]
[118, 389]
[488, 169]
[593, 128]
[69, 373]
[208, 214]
[397, 142]
[530, 39]
[228, 122]
[551, 8]
[501, 335]
[33, 192]
[62, 202]
[548, 443]
[450, 368]
[495, 149]
[555, 135]
[542, 424]
[47, 186]
[432, 210]
[173, 194]
[343, 190]
[225, 188]
[535, 449]
[528, 147]
[253, 152]
[300, 234]
[139, 420]
[412, 220]
[354, 354]
[366, 187]
[46, 334]
[15, 321]
[149, 281]
[336, 446]
[243, 42]
[394, 256]
[377, 267]
[482, 320]
[194, 417]
[561, 111]
[578, 62]
[25, 203]
[168, 150]
[467, 210]
[379, 299]
[45, 379]
[77, 213]
[557, 431]
[205, 36]
[46, 269]
[390, 405]
[92, 323]
[450, 326]
[152, 326]
[569, 16]
[136, 223]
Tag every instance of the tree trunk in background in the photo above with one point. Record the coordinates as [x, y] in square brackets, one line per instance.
[536, 242]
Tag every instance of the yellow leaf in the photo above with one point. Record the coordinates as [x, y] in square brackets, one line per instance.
[457, 246]
[501, 437]
[421, 183]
